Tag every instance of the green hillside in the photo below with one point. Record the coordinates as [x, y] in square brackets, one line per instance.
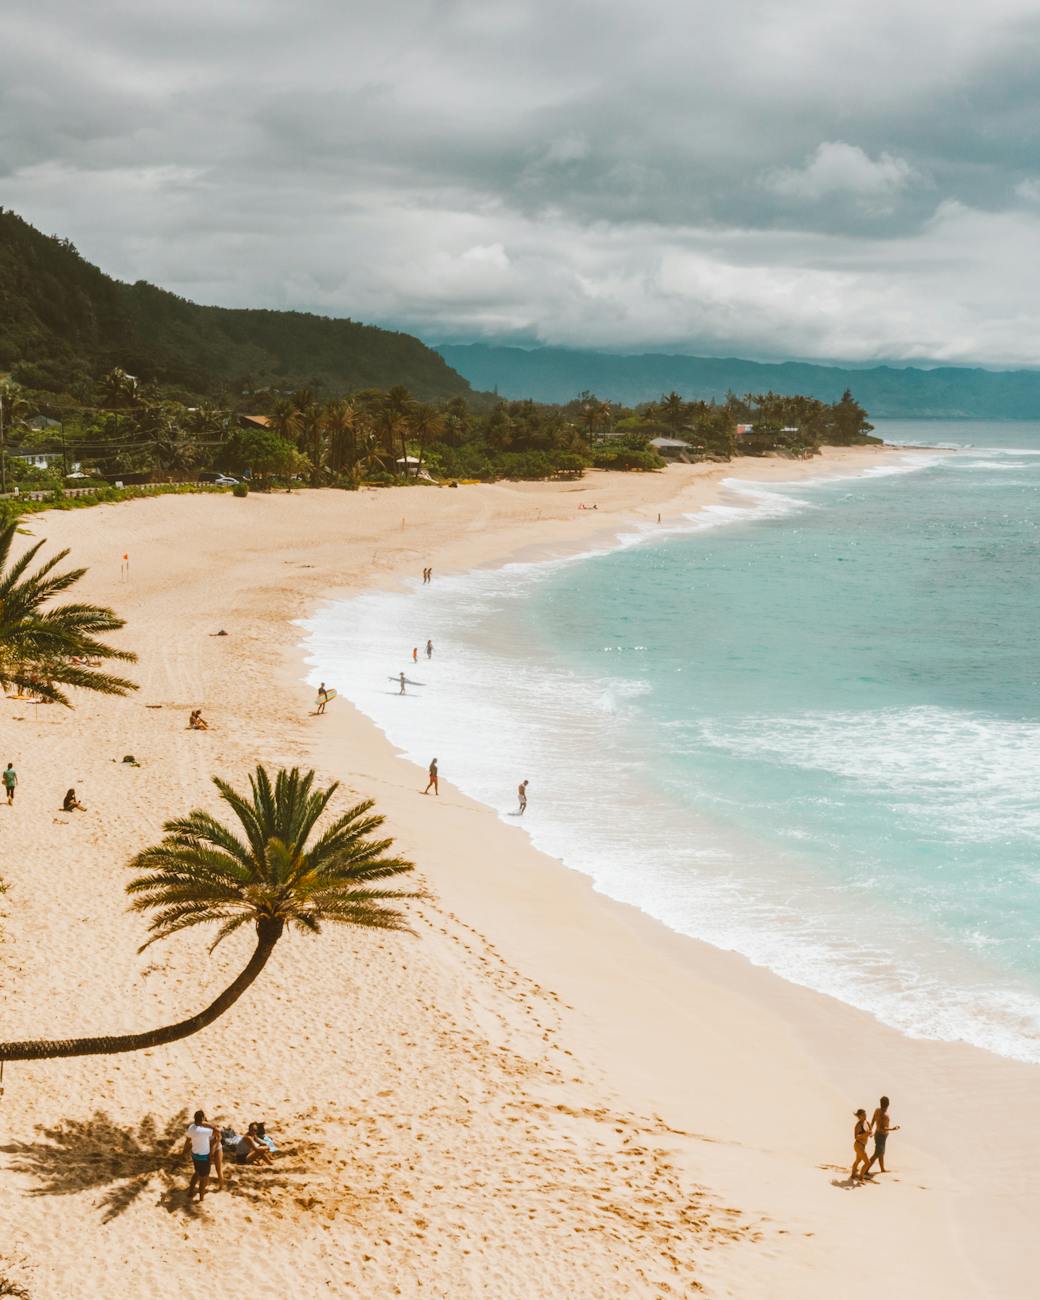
[63, 323]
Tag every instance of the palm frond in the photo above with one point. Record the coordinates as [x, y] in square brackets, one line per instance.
[45, 647]
[275, 872]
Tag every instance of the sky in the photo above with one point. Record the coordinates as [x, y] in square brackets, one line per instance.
[807, 179]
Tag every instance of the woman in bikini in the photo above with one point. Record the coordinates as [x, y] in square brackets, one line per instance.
[859, 1142]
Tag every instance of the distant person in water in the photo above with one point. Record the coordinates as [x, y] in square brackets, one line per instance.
[433, 780]
[882, 1126]
[323, 697]
[860, 1134]
[429, 649]
[415, 654]
[521, 791]
[403, 679]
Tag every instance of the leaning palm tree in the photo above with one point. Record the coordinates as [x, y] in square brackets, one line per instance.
[43, 649]
[267, 873]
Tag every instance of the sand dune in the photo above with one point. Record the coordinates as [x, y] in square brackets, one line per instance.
[538, 1094]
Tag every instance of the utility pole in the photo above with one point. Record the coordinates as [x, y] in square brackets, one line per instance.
[3, 450]
[64, 452]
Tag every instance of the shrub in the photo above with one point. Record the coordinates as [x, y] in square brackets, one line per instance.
[240, 490]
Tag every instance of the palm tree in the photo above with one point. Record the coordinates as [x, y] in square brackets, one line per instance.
[117, 388]
[425, 425]
[263, 874]
[38, 646]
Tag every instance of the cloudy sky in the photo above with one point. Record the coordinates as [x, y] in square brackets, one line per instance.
[814, 178]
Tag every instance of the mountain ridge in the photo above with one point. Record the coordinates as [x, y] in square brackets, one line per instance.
[888, 392]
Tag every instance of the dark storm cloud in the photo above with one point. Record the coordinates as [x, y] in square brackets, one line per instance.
[813, 178]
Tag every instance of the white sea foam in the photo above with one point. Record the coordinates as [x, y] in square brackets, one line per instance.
[992, 464]
[973, 776]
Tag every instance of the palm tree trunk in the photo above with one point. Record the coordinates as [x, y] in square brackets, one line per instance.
[48, 1050]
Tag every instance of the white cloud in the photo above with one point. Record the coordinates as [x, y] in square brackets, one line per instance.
[839, 168]
[561, 169]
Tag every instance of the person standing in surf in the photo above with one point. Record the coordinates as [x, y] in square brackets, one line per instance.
[415, 654]
[433, 780]
[429, 649]
[403, 679]
[521, 791]
[882, 1126]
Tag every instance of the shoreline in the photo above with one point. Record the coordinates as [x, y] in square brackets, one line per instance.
[528, 990]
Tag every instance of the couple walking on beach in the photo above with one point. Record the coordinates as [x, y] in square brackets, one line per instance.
[879, 1126]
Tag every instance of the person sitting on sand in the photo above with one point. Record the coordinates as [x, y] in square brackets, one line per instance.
[251, 1150]
[261, 1135]
[882, 1126]
[859, 1142]
[197, 722]
[71, 803]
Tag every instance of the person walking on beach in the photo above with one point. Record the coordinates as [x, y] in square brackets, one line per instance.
[859, 1144]
[433, 780]
[323, 698]
[10, 781]
[521, 790]
[882, 1126]
[429, 649]
[200, 1142]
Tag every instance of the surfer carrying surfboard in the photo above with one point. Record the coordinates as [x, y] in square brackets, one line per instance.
[323, 698]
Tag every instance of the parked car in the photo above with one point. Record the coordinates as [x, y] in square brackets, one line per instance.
[221, 480]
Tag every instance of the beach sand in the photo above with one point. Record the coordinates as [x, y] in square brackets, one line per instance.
[541, 1093]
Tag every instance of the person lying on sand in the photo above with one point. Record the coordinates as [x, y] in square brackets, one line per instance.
[71, 803]
[197, 722]
[859, 1142]
[251, 1150]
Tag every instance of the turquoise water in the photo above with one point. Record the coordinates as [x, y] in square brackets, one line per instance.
[806, 726]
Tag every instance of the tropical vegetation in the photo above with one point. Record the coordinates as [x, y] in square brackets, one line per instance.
[269, 871]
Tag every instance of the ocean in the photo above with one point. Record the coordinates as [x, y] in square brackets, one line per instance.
[803, 724]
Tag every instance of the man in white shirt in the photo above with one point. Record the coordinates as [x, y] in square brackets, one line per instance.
[200, 1141]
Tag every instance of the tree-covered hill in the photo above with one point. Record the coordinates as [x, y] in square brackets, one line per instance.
[556, 374]
[63, 323]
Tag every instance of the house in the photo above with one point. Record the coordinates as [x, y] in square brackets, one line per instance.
[671, 448]
[37, 459]
[41, 423]
[254, 421]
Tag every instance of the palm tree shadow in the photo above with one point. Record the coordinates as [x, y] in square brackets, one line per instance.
[123, 1162]
[99, 1154]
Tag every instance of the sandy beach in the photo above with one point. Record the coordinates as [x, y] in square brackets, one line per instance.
[540, 1093]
